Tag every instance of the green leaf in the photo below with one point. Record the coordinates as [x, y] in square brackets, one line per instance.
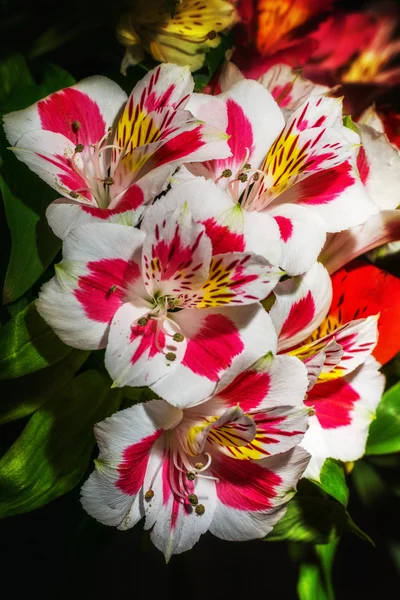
[315, 577]
[216, 56]
[33, 244]
[28, 344]
[135, 395]
[368, 483]
[349, 123]
[23, 396]
[200, 81]
[171, 6]
[13, 72]
[53, 452]
[333, 481]
[384, 432]
[25, 195]
[311, 517]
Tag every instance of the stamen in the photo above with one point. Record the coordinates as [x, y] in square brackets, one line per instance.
[204, 467]
[193, 499]
[74, 195]
[170, 356]
[142, 321]
[226, 173]
[178, 337]
[75, 125]
[108, 181]
[200, 509]
[242, 177]
[191, 476]
[149, 495]
[79, 148]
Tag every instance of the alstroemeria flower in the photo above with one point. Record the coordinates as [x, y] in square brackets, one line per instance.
[286, 85]
[172, 314]
[366, 49]
[301, 173]
[345, 385]
[228, 465]
[183, 39]
[378, 163]
[108, 155]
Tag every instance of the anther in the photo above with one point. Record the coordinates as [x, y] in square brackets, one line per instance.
[191, 476]
[200, 509]
[193, 499]
[212, 34]
[226, 173]
[108, 181]
[143, 321]
[242, 177]
[170, 304]
[256, 176]
[149, 495]
[79, 148]
[75, 125]
[178, 337]
[74, 195]
[247, 166]
[170, 356]
[112, 289]
[199, 465]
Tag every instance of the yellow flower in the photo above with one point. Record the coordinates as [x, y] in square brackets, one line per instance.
[183, 39]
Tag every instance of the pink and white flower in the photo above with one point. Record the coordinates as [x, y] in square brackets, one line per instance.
[300, 172]
[172, 314]
[286, 85]
[228, 465]
[378, 163]
[345, 385]
[106, 154]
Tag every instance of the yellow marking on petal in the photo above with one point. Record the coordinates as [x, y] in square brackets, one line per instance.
[328, 325]
[285, 160]
[136, 129]
[217, 289]
[251, 451]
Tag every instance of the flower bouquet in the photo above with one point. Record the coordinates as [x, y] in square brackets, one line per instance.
[201, 294]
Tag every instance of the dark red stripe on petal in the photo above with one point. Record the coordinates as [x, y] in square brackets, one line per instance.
[223, 239]
[213, 348]
[362, 165]
[249, 389]
[132, 470]
[73, 114]
[300, 315]
[333, 402]
[151, 340]
[179, 147]
[245, 485]
[325, 186]
[285, 227]
[101, 291]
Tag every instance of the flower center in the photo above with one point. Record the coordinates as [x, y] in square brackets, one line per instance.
[92, 164]
[254, 179]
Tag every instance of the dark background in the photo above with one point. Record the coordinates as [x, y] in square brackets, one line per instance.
[58, 551]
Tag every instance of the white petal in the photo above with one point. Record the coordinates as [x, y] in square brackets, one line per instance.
[302, 235]
[300, 306]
